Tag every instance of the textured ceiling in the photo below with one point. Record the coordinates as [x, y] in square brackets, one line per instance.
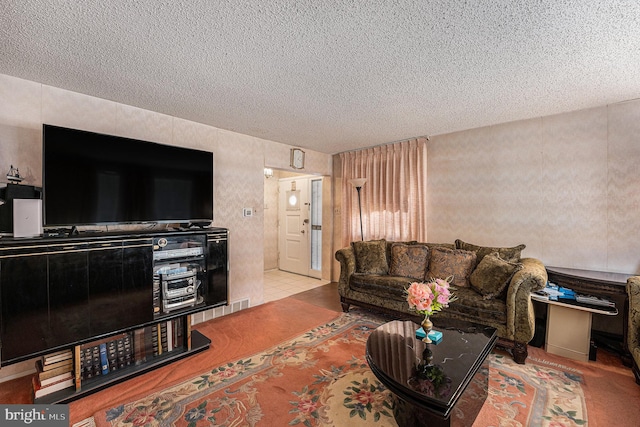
[332, 75]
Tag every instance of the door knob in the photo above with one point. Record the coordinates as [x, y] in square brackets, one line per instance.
[302, 231]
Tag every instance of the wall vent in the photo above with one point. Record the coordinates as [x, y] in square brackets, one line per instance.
[214, 313]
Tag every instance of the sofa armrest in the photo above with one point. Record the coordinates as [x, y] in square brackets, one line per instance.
[520, 316]
[347, 260]
[633, 332]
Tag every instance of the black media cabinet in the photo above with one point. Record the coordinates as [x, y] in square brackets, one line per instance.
[92, 292]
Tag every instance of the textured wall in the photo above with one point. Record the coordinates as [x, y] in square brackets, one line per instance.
[565, 185]
[271, 221]
[238, 159]
[238, 162]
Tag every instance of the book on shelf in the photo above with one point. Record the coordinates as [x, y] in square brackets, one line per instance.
[40, 390]
[163, 346]
[139, 346]
[49, 373]
[101, 357]
[178, 331]
[169, 328]
[59, 356]
[155, 339]
[112, 355]
[61, 364]
[123, 352]
[57, 378]
[104, 362]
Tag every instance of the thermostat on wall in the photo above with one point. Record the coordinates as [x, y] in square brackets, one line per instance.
[247, 212]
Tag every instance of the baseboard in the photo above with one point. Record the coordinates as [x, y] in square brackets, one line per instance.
[217, 312]
[18, 370]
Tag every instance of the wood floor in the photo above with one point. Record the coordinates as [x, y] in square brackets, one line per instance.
[324, 296]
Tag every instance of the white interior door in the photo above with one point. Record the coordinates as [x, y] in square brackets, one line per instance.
[294, 247]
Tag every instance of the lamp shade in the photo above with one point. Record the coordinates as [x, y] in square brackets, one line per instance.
[357, 182]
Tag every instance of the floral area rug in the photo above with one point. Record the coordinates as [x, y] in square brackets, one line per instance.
[321, 378]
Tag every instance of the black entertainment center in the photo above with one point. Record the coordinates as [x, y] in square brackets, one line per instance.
[132, 292]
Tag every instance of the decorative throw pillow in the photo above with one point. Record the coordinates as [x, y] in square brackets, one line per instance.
[409, 260]
[390, 244]
[441, 245]
[492, 276]
[507, 254]
[447, 262]
[371, 257]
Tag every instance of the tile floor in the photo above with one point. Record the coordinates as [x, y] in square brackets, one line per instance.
[280, 284]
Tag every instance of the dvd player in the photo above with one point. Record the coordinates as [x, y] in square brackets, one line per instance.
[177, 253]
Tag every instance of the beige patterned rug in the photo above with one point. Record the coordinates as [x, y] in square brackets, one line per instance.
[320, 378]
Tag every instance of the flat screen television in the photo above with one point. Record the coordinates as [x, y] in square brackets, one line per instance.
[95, 179]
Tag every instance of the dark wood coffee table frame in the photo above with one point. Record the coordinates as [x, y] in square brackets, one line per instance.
[393, 352]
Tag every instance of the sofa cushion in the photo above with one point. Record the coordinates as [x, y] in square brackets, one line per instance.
[492, 276]
[387, 287]
[472, 308]
[371, 257]
[390, 245]
[447, 262]
[507, 254]
[409, 260]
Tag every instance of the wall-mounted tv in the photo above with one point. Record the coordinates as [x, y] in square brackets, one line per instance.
[96, 179]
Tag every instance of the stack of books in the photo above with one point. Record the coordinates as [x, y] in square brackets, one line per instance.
[54, 372]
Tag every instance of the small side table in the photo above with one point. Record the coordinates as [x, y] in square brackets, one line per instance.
[569, 327]
[598, 283]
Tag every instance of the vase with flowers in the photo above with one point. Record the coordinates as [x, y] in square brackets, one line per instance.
[428, 298]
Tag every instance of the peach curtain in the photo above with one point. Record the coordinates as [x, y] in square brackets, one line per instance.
[394, 199]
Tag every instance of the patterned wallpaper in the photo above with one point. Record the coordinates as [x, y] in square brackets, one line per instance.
[271, 221]
[238, 164]
[564, 185]
[238, 159]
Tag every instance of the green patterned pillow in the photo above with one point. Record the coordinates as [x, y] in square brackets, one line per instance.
[409, 260]
[371, 257]
[447, 262]
[492, 276]
[507, 254]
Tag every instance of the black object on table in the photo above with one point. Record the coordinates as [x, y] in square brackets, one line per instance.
[428, 381]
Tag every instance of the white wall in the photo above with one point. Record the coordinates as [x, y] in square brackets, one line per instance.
[566, 185]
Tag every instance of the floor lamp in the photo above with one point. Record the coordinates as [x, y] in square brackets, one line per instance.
[358, 183]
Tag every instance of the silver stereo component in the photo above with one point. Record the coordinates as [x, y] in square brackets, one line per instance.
[178, 302]
[179, 289]
[178, 253]
[177, 285]
[178, 268]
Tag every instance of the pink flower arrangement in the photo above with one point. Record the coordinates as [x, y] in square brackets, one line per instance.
[431, 297]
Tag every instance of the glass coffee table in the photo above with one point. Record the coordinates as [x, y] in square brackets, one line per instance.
[442, 384]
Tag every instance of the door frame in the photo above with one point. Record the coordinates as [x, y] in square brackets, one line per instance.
[327, 215]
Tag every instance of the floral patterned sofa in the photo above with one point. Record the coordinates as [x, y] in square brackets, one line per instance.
[493, 284]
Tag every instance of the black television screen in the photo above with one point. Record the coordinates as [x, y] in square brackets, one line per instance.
[91, 178]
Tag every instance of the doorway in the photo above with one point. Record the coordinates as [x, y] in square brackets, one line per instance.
[300, 225]
[294, 226]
